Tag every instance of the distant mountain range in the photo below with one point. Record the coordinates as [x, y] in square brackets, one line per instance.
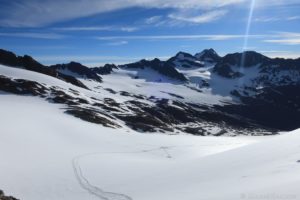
[201, 94]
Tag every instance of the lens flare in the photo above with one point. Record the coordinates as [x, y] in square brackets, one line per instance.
[249, 24]
[246, 38]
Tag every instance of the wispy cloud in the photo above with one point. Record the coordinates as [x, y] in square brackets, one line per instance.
[127, 29]
[275, 19]
[228, 37]
[118, 43]
[185, 17]
[35, 13]
[285, 38]
[176, 37]
[293, 18]
[270, 3]
[98, 28]
[280, 54]
[294, 41]
[266, 19]
[199, 19]
[153, 20]
[34, 35]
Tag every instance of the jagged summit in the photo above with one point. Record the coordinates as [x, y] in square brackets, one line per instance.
[182, 93]
[76, 69]
[162, 67]
[208, 55]
[10, 59]
[232, 65]
[185, 60]
[183, 55]
[106, 69]
[245, 59]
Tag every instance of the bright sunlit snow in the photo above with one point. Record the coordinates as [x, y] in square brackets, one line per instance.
[150, 100]
[46, 154]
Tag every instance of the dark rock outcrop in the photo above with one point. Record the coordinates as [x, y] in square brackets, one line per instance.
[275, 107]
[10, 59]
[164, 68]
[239, 60]
[245, 59]
[226, 71]
[4, 197]
[185, 60]
[267, 103]
[91, 116]
[208, 55]
[77, 70]
[20, 86]
[106, 69]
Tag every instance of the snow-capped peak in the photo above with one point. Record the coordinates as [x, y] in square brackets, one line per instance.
[183, 55]
[185, 60]
[209, 55]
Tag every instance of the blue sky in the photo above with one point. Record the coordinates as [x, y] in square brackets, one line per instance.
[95, 32]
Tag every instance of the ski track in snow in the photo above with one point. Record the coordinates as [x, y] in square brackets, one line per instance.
[100, 193]
[94, 190]
[105, 195]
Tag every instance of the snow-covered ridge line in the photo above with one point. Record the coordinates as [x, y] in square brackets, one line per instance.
[123, 109]
[191, 94]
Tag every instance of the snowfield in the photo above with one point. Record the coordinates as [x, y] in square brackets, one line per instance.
[145, 85]
[46, 154]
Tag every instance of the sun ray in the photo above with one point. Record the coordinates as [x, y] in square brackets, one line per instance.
[249, 21]
[246, 38]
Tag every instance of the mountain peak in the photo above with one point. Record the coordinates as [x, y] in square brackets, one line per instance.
[208, 55]
[183, 55]
[185, 60]
[246, 58]
[210, 50]
[77, 68]
[105, 70]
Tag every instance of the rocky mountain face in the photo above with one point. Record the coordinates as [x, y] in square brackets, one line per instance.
[162, 67]
[205, 94]
[105, 70]
[4, 197]
[77, 70]
[27, 62]
[184, 60]
[208, 55]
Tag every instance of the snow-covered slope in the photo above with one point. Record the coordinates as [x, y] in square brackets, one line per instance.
[140, 104]
[71, 132]
[150, 83]
[203, 94]
[46, 154]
